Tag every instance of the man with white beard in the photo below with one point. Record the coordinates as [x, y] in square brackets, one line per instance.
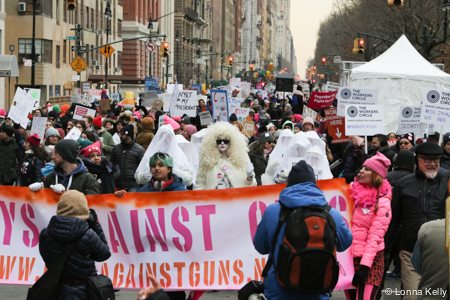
[417, 199]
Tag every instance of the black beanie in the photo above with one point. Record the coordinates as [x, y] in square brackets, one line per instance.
[300, 173]
[429, 148]
[233, 117]
[53, 114]
[9, 130]
[404, 160]
[68, 150]
[128, 130]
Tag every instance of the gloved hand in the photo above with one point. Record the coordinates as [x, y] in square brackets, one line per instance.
[249, 169]
[58, 188]
[275, 164]
[93, 219]
[360, 275]
[282, 177]
[36, 187]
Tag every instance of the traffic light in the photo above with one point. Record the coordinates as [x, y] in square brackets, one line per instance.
[263, 84]
[270, 68]
[324, 61]
[395, 3]
[166, 49]
[71, 5]
[230, 61]
[255, 74]
[251, 67]
[361, 46]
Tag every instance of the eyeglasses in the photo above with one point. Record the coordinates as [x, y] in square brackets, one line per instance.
[269, 142]
[218, 142]
[404, 143]
[52, 119]
[428, 160]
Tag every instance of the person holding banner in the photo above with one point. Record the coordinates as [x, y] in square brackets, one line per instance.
[35, 156]
[224, 161]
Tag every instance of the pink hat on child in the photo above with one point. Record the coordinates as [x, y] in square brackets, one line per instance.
[379, 164]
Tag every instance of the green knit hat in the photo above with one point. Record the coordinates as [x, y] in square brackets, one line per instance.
[56, 108]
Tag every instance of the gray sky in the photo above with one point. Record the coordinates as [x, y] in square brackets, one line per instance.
[306, 17]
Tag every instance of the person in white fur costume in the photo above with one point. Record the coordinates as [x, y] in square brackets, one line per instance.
[224, 162]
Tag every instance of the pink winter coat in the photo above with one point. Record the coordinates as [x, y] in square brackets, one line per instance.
[368, 227]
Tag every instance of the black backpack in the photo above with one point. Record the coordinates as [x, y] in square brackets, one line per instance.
[307, 256]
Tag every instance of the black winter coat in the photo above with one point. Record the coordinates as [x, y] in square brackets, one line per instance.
[10, 161]
[30, 172]
[445, 161]
[416, 200]
[128, 157]
[87, 242]
[260, 165]
[396, 175]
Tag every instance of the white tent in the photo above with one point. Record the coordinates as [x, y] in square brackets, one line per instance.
[400, 74]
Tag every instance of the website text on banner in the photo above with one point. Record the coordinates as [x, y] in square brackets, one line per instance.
[364, 120]
[348, 95]
[185, 241]
[321, 100]
[436, 109]
[336, 126]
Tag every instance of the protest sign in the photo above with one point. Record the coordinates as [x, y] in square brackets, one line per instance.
[190, 236]
[173, 99]
[148, 98]
[161, 121]
[158, 104]
[234, 103]
[86, 87]
[336, 126]
[205, 118]
[409, 120]
[249, 127]
[197, 87]
[38, 127]
[116, 138]
[81, 111]
[114, 97]
[105, 104]
[321, 100]
[348, 95]
[259, 86]
[97, 93]
[75, 99]
[235, 81]
[86, 100]
[171, 87]
[74, 134]
[36, 95]
[186, 104]
[392, 142]
[219, 105]
[308, 112]
[23, 103]
[436, 109]
[364, 119]
[332, 86]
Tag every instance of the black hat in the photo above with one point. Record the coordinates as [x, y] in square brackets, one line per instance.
[53, 114]
[428, 148]
[300, 173]
[128, 130]
[186, 120]
[265, 137]
[68, 150]
[446, 138]
[9, 130]
[233, 117]
[409, 136]
[405, 160]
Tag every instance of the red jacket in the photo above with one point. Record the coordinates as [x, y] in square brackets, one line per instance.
[370, 222]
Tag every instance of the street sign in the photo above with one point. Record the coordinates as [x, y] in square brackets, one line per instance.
[150, 47]
[81, 48]
[107, 50]
[78, 64]
[28, 63]
[337, 59]
[71, 38]
[169, 75]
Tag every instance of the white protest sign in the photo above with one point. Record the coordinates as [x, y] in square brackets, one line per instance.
[36, 95]
[235, 81]
[81, 111]
[23, 104]
[75, 99]
[242, 113]
[364, 119]
[74, 134]
[171, 87]
[436, 109]
[234, 103]
[86, 100]
[148, 98]
[332, 86]
[409, 120]
[349, 95]
[186, 104]
[205, 118]
[173, 100]
[86, 87]
[38, 127]
[308, 112]
[219, 105]
[116, 138]
[161, 121]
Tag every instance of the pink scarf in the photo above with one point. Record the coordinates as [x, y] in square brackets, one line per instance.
[367, 197]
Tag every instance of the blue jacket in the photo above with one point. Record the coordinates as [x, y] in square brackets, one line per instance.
[175, 186]
[294, 196]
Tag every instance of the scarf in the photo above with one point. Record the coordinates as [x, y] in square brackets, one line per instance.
[368, 197]
[105, 174]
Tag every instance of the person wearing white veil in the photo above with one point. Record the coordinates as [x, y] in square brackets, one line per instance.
[190, 150]
[165, 142]
[276, 156]
[315, 140]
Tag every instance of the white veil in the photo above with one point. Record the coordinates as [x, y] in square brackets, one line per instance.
[276, 156]
[315, 140]
[190, 150]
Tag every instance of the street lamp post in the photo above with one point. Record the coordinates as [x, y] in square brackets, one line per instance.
[446, 7]
[177, 40]
[198, 64]
[150, 27]
[108, 16]
[33, 46]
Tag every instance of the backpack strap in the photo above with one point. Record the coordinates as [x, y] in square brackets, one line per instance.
[284, 211]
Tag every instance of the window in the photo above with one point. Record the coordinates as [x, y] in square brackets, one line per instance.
[58, 57]
[64, 52]
[44, 5]
[57, 90]
[43, 50]
[119, 59]
[119, 27]
[87, 17]
[50, 90]
[92, 19]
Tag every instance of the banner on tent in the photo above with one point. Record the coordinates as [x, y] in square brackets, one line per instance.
[409, 120]
[186, 243]
[364, 119]
[348, 95]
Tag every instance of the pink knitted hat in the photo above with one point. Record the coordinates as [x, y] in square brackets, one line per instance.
[379, 164]
[171, 122]
[190, 129]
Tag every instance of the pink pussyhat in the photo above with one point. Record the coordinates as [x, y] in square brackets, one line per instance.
[379, 164]
[171, 122]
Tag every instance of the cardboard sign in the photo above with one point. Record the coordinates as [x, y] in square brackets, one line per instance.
[105, 104]
[205, 118]
[74, 134]
[219, 105]
[321, 100]
[348, 95]
[186, 104]
[336, 126]
[249, 127]
[158, 104]
[36, 95]
[436, 109]
[38, 127]
[81, 111]
[60, 100]
[409, 120]
[23, 103]
[116, 138]
[86, 100]
[148, 98]
[364, 119]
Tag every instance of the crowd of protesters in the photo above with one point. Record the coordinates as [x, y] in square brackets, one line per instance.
[401, 180]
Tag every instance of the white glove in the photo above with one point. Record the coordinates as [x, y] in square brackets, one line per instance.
[249, 169]
[275, 164]
[59, 188]
[282, 177]
[36, 187]
[186, 175]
